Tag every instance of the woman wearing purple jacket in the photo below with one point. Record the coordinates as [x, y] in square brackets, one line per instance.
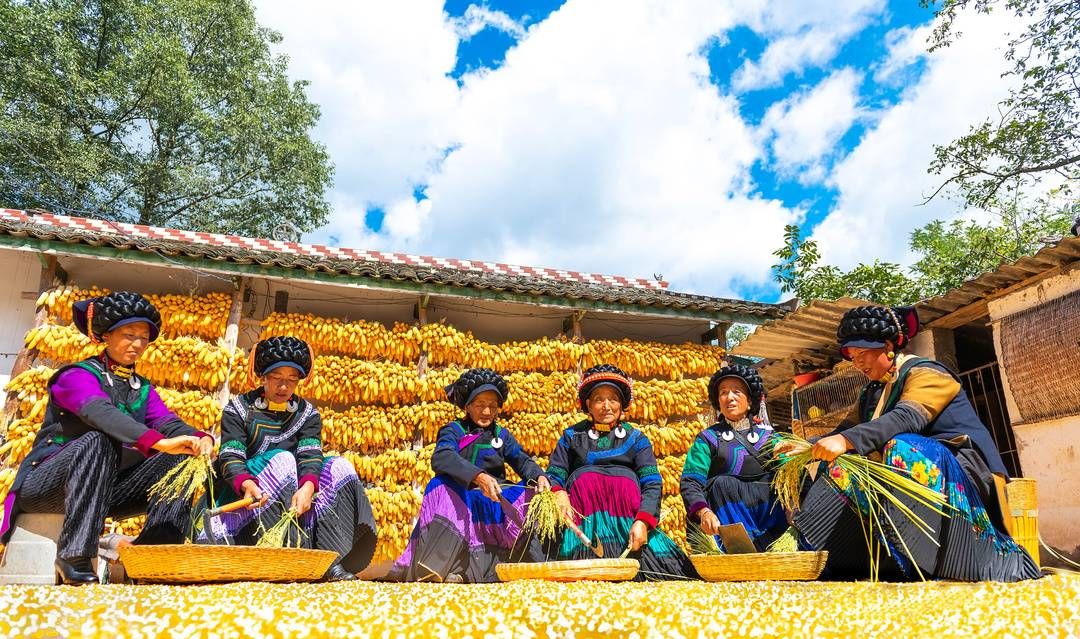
[106, 439]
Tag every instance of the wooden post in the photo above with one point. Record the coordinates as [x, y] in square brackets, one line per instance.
[420, 312]
[52, 275]
[718, 332]
[232, 333]
[572, 328]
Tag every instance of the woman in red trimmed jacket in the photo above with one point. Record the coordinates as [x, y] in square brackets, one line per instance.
[106, 439]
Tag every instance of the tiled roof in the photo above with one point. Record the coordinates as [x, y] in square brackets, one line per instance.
[319, 250]
[457, 273]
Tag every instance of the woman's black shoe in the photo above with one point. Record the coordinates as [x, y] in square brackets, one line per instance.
[337, 573]
[77, 571]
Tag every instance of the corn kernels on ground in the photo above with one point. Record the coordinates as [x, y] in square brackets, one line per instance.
[535, 609]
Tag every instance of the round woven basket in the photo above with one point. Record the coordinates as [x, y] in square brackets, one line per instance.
[761, 566]
[197, 563]
[579, 570]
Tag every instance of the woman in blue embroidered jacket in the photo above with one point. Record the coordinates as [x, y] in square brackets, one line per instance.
[917, 417]
[726, 479]
[106, 439]
[469, 521]
[271, 451]
[603, 469]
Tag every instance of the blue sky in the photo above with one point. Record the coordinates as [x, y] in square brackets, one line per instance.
[636, 137]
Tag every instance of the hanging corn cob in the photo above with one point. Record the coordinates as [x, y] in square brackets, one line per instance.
[203, 315]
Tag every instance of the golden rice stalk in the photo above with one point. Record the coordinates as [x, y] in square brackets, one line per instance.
[702, 543]
[275, 536]
[543, 517]
[787, 542]
[184, 480]
[879, 484]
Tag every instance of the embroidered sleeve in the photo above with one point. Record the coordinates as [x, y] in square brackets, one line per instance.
[927, 391]
[695, 474]
[232, 455]
[649, 479]
[519, 460]
[558, 463]
[446, 460]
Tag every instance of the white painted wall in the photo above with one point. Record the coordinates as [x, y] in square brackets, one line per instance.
[23, 274]
[1049, 450]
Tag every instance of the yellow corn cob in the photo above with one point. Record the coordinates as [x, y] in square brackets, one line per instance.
[202, 316]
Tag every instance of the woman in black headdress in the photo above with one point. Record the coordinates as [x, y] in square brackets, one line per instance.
[469, 519]
[271, 451]
[604, 472]
[726, 477]
[917, 417]
[106, 439]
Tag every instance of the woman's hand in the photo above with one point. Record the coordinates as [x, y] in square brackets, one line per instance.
[182, 445]
[254, 493]
[206, 446]
[301, 499]
[710, 523]
[542, 484]
[829, 448]
[489, 486]
[562, 500]
[639, 534]
[787, 447]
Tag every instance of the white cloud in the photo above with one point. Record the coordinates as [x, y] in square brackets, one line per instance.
[379, 72]
[604, 151]
[906, 45]
[802, 33]
[883, 181]
[478, 18]
[805, 128]
[600, 144]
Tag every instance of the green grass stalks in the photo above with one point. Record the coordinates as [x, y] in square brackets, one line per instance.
[876, 483]
[702, 543]
[787, 542]
[276, 535]
[184, 480]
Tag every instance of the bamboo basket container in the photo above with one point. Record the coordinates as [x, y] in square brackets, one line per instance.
[1023, 501]
[198, 563]
[577, 570]
[761, 566]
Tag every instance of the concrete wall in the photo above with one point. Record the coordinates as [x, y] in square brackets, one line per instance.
[936, 344]
[18, 290]
[1049, 450]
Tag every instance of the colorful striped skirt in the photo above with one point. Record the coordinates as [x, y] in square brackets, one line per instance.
[962, 544]
[461, 535]
[750, 503]
[608, 498]
[340, 518]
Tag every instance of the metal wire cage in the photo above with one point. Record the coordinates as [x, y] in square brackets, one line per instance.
[819, 407]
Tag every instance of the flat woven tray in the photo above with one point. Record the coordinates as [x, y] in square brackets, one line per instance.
[198, 563]
[579, 570]
[761, 566]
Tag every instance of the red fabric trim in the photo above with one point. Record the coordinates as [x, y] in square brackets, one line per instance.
[313, 479]
[145, 443]
[696, 508]
[238, 481]
[649, 520]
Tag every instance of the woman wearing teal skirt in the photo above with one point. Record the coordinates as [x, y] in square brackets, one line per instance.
[604, 470]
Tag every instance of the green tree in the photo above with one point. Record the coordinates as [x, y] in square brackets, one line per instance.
[799, 272]
[164, 112]
[1037, 131]
[949, 255]
[963, 250]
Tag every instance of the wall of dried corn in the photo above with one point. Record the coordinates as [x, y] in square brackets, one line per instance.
[378, 410]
